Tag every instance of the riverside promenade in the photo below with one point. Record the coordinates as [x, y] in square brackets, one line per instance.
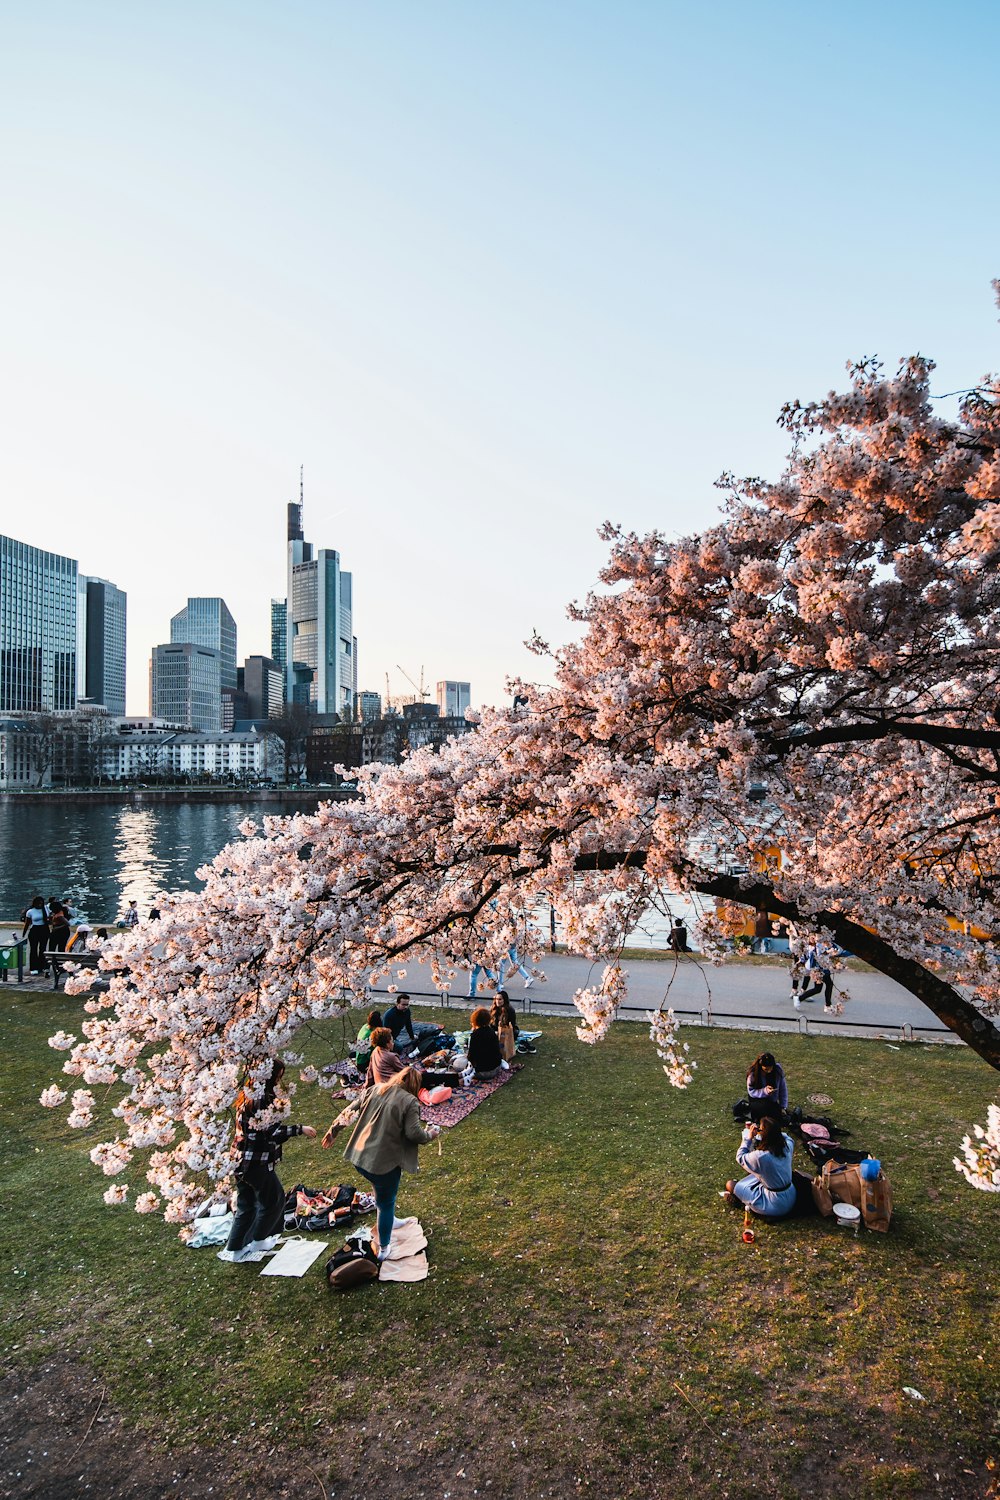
[738, 993]
[741, 994]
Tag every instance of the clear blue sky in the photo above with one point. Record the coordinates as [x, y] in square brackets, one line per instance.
[492, 273]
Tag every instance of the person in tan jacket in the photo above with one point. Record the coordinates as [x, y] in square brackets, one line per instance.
[384, 1144]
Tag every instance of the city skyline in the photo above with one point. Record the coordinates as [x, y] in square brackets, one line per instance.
[324, 237]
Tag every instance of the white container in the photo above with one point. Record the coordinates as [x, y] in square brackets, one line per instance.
[847, 1216]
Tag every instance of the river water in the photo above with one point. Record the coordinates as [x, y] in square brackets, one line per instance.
[104, 855]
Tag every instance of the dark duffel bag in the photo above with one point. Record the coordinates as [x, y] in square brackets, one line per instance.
[351, 1266]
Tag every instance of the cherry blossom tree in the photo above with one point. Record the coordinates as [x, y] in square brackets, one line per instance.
[817, 673]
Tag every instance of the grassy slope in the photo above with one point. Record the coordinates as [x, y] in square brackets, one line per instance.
[590, 1299]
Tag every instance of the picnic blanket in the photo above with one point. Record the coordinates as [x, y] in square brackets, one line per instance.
[463, 1101]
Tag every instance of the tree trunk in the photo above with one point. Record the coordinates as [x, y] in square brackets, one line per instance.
[957, 1013]
[942, 999]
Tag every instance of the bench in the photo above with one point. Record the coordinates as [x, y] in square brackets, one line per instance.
[61, 961]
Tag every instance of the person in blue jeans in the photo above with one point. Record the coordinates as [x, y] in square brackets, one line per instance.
[515, 964]
[384, 1143]
[478, 969]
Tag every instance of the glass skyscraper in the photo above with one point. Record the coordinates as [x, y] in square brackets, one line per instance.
[38, 630]
[279, 633]
[207, 622]
[104, 643]
[321, 652]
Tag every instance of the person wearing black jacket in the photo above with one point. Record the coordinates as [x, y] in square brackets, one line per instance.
[398, 1020]
[36, 926]
[260, 1198]
[484, 1046]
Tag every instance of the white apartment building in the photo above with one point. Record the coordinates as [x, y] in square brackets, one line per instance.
[220, 756]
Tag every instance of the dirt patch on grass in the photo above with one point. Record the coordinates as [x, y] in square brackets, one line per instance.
[65, 1439]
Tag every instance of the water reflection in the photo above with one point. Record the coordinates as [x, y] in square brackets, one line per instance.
[105, 856]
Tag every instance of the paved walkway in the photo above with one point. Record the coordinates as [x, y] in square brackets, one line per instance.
[734, 994]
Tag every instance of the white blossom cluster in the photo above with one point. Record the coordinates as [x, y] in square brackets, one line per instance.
[980, 1160]
[599, 1006]
[678, 1067]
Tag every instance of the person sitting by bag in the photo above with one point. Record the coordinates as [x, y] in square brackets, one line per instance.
[767, 1087]
[385, 1062]
[766, 1154]
[363, 1044]
[484, 1048]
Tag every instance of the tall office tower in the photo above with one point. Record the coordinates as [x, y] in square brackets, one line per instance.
[101, 638]
[185, 686]
[264, 687]
[38, 626]
[279, 634]
[321, 659]
[368, 707]
[207, 622]
[453, 699]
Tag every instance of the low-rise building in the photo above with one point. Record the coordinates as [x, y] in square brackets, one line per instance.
[191, 757]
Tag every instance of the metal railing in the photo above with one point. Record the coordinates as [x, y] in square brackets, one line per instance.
[730, 1020]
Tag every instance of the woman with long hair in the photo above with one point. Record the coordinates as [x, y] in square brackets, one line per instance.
[260, 1198]
[36, 925]
[384, 1142]
[484, 1048]
[363, 1044]
[765, 1153]
[767, 1087]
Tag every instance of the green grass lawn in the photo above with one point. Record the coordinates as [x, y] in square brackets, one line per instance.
[593, 1323]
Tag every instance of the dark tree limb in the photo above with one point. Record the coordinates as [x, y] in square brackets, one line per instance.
[941, 998]
[957, 1013]
[945, 735]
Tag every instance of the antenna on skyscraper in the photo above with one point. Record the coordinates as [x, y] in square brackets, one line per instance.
[302, 484]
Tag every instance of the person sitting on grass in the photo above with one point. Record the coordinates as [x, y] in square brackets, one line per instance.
[765, 1153]
[385, 1062]
[767, 1087]
[484, 1047]
[363, 1044]
[399, 1020]
[260, 1198]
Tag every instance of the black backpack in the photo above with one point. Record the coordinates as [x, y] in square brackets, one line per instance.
[350, 1266]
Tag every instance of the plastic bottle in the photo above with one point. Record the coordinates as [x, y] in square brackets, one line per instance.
[748, 1234]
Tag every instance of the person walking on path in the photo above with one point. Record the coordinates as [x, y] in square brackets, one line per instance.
[384, 1143]
[260, 1198]
[818, 962]
[36, 927]
[516, 965]
[478, 969]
